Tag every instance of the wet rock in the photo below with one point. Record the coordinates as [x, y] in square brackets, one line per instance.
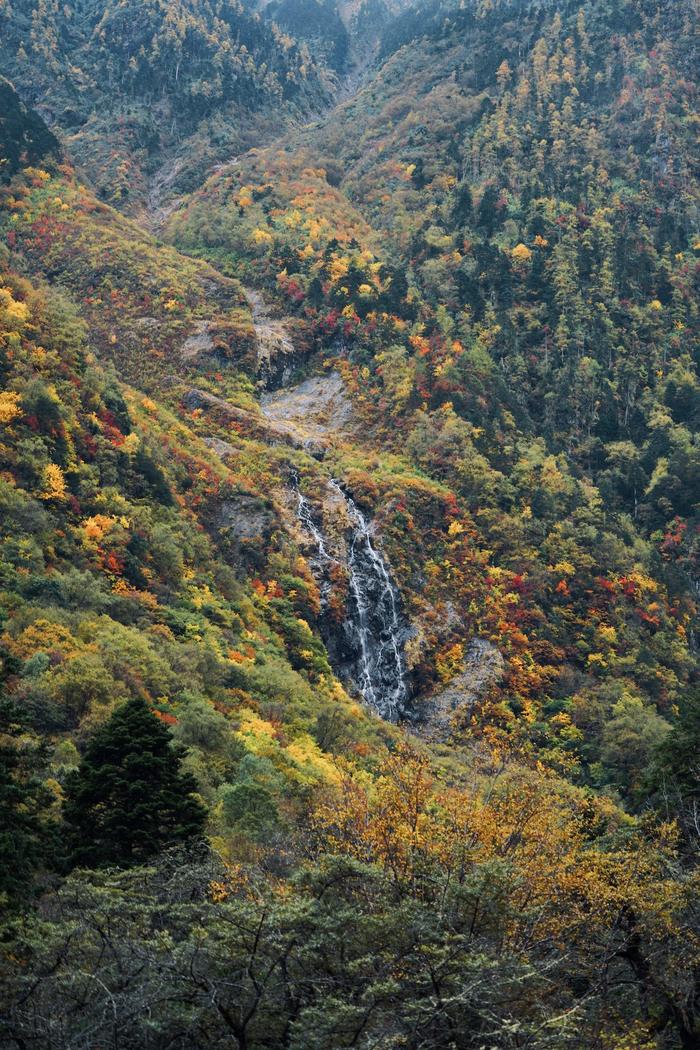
[366, 644]
[245, 517]
[483, 667]
[199, 342]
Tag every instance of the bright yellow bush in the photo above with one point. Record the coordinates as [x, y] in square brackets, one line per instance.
[521, 253]
[9, 407]
[54, 483]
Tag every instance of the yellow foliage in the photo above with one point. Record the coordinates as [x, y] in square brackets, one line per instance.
[131, 444]
[9, 406]
[95, 528]
[450, 662]
[293, 218]
[244, 197]
[521, 253]
[338, 268]
[260, 237]
[13, 314]
[413, 827]
[38, 173]
[54, 483]
[42, 636]
[316, 765]
[504, 73]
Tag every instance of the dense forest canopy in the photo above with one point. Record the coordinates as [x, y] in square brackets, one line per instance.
[349, 524]
[142, 88]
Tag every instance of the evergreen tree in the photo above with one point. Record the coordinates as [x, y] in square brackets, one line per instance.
[24, 835]
[462, 205]
[677, 765]
[488, 215]
[128, 799]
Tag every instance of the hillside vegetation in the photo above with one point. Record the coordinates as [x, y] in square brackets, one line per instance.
[463, 301]
[133, 85]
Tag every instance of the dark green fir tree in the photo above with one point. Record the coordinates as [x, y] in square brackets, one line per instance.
[129, 799]
[25, 834]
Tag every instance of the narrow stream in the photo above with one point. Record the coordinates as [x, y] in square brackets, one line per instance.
[370, 652]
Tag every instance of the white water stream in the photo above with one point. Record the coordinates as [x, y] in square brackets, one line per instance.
[374, 629]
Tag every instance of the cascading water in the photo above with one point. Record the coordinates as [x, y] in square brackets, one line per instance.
[324, 559]
[374, 631]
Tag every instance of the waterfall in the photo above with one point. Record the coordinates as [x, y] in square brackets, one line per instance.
[370, 652]
[324, 559]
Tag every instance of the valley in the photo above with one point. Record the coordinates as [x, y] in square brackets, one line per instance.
[349, 525]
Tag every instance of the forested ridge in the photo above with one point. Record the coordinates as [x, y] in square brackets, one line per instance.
[144, 87]
[412, 357]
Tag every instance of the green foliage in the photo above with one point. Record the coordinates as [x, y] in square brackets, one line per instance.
[250, 807]
[493, 243]
[24, 138]
[26, 834]
[340, 959]
[673, 772]
[128, 799]
[319, 23]
[128, 81]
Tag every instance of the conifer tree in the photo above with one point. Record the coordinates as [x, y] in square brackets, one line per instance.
[675, 772]
[24, 835]
[128, 800]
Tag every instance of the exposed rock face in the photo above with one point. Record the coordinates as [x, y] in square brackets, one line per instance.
[483, 666]
[245, 517]
[312, 411]
[257, 426]
[242, 525]
[226, 339]
[199, 342]
[277, 354]
[366, 645]
[249, 423]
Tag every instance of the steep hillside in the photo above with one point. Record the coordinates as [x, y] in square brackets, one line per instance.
[148, 95]
[490, 312]
[349, 534]
[344, 35]
[24, 138]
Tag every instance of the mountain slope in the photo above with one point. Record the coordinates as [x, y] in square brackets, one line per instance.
[488, 310]
[134, 86]
[24, 139]
[356, 441]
